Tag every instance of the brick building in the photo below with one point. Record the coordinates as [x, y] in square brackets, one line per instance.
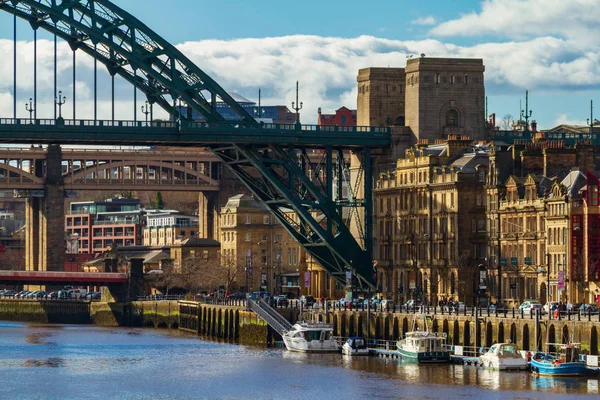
[100, 225]
[342, 117]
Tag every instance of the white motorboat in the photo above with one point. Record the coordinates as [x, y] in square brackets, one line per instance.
[423, 346]
[503, 356]
[355, 346]
[311, 337]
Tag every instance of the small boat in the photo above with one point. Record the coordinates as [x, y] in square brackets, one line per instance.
[311, 337]
[423, 346]
[503, 356]
[355, 346]
[565, 362]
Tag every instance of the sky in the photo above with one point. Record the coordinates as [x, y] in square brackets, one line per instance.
[549, 47]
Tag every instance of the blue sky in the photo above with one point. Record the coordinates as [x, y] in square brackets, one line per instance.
[551, 47]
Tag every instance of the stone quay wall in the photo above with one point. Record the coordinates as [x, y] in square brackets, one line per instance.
[45, 311]
[481, 330]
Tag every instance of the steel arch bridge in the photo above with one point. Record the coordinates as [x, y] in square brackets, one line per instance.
[287, 167]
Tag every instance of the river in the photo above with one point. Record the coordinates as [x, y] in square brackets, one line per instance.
[90, 362]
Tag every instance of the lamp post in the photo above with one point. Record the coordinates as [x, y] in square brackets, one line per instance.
[297, 106]
[59, 101]
[146, 110]
[258, 111]
[589, 121]
[526, 114]
[29, 107]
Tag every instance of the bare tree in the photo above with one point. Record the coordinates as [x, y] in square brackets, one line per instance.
[506, 123]
[12, 260]
[467, 268]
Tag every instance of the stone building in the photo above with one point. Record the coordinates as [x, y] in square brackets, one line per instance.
[267, 256]
[534, 193]
[433, 97]
[165, 228]
[430, 224]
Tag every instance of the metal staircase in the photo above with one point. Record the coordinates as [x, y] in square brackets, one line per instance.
[270, 316]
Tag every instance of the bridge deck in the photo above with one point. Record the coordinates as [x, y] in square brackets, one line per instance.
[49, 277]
[167, 133]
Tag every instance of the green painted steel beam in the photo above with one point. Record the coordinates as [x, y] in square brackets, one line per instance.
[182, 134]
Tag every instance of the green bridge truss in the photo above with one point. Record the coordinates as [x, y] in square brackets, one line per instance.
[305, 173]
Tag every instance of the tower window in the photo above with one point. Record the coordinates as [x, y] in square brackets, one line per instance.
[437, 78]
[466, 79]
[452, 79]
[452, 118]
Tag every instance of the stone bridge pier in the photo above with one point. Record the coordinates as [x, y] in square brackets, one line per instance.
[45, 217]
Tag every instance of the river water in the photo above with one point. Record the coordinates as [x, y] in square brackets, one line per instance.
[89, 362]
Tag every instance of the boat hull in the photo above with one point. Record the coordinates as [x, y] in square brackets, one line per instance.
[562, 369]
[305, 347]
[433, 357]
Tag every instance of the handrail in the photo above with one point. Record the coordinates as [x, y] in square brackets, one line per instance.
[264, 311]
[191, 125]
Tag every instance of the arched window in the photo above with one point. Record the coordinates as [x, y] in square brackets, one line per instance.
[452, 118]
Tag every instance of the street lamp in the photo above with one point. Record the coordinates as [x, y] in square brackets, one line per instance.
[146, 110]
[59, 101]
[297, 106]
[590, 120]
[29, 107]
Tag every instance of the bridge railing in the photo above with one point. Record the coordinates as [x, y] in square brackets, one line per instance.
[192, 125]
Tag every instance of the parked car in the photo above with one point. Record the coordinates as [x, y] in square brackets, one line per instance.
[237, 296]
[550, 306]
[52, 295]
[93, 296]
[527, 307]
[411, 305]
[307, 301]
[279, 301]
[344, 302]
[589, 308]
[9, 293]
[387, 304]
[373, 303]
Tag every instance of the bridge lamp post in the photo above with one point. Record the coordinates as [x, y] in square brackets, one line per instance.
[146, 110]
[59, 101]
[297, 106]
[29, 107]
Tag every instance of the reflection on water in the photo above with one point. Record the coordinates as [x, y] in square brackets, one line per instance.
[63, 362]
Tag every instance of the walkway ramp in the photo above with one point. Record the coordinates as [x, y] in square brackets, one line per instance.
[270, 316]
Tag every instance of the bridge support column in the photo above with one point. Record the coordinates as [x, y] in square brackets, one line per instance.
[32, 233]
[207, 215]
[52, 216]
[45, 219]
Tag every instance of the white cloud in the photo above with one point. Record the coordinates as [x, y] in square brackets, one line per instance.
[572, 19]
[429, 20]
[566, 119]
[325, 66]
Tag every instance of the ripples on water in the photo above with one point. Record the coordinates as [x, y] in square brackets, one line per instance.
[88, 362]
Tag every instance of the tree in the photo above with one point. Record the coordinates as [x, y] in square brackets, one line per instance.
[158, 202]
[507, 122]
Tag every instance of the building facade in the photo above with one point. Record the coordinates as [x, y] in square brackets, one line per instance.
[100, 225]
[342, 117]
[165, 228]
[430, 223]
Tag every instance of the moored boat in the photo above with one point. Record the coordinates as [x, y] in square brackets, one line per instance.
[423, 346]
[565, 362]
[355, 346]
[503, 356]
[311, 337]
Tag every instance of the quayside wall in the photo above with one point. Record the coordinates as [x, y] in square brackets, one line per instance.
[232, 322]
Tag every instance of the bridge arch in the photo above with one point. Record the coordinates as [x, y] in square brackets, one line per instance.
[127, 46]
[10, 174]
[81, 174]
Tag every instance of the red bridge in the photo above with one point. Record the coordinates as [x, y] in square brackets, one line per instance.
[73, 278]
